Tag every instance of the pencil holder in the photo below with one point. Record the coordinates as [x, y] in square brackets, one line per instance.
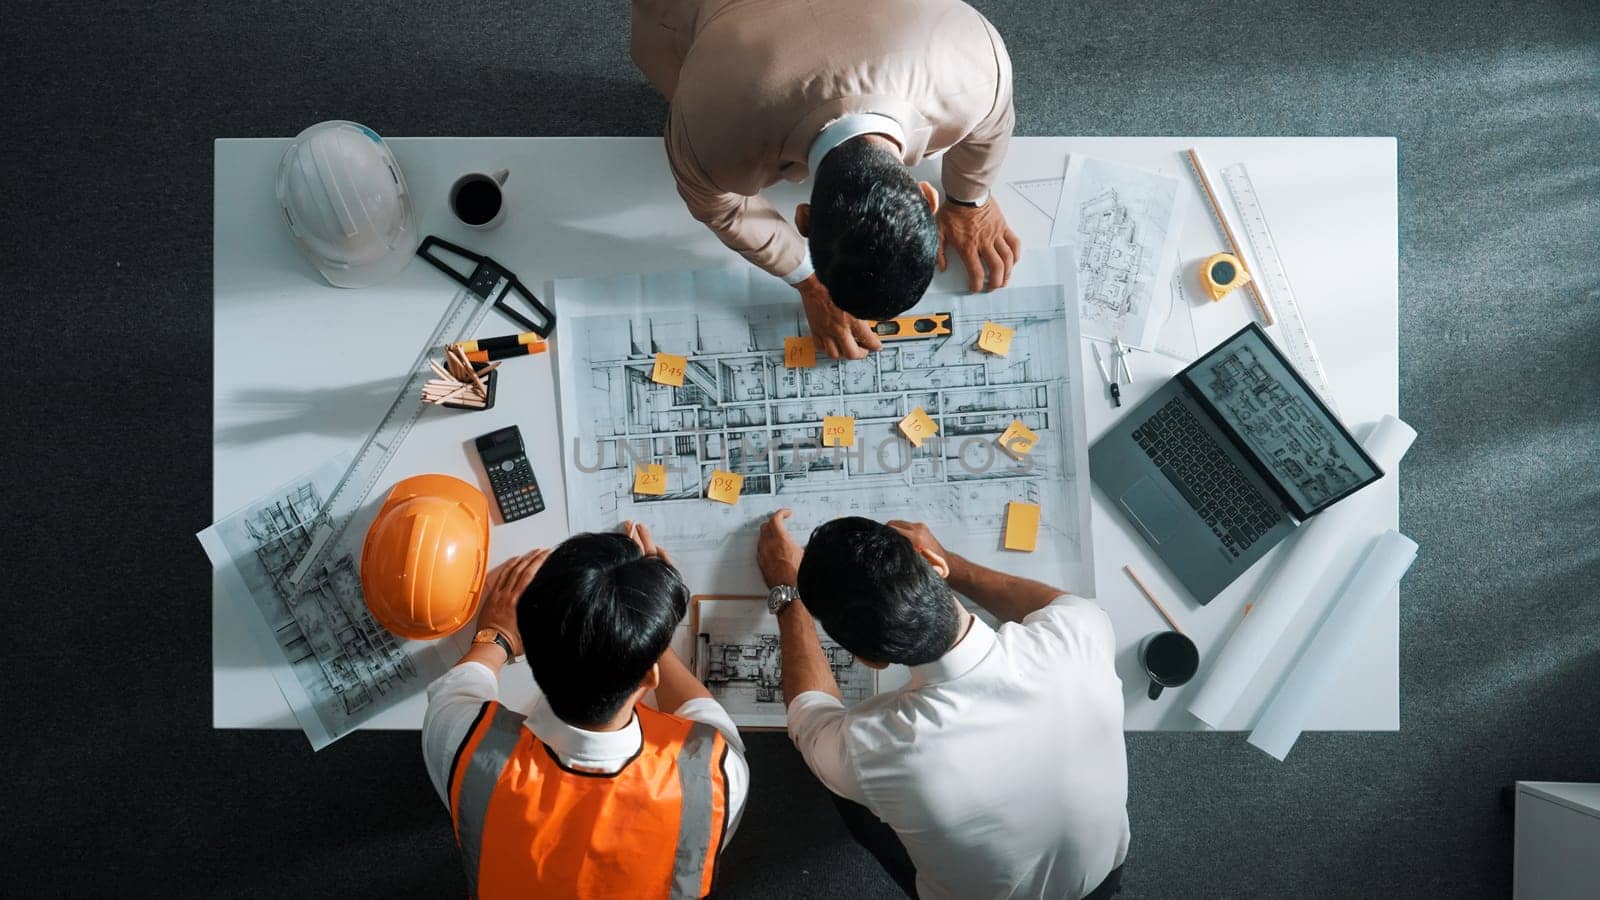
[488, 383]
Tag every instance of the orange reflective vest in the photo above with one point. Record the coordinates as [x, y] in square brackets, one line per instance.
[530, 827]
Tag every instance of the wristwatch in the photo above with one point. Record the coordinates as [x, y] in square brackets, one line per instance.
[781, 596]
[493, 636]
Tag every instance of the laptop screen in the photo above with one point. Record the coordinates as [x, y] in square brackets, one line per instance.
[1275, 417]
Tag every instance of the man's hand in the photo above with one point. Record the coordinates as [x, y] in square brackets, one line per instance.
[920, 536]
[838, 334]
[502, 588]
[980, 236]
[640, 534]
[777, 553]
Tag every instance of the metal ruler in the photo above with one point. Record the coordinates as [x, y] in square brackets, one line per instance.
[487, 286]
[1289, 332]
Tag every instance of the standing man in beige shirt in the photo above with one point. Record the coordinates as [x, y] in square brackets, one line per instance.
[851, 93]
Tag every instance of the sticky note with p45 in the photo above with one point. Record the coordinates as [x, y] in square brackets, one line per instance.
[650, 480]
[724, 487]
[918, 426]
[1022, 526]
[996, 338]
[669, 369]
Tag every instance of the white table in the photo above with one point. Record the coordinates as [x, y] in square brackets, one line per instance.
[304, 370]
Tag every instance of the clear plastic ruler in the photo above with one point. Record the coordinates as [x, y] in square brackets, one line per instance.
[1044, 194]
[1290, 329]
[459, 322]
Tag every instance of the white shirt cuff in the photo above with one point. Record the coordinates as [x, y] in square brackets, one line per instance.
[801, 272]
[979, 200]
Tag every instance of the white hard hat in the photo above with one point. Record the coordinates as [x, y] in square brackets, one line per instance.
[347, 204]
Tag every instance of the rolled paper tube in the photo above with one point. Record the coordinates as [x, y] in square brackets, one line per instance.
[1347, 625]
[1303, 560]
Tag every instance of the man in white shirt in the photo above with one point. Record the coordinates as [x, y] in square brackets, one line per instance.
[1000, 767]
[594, 793]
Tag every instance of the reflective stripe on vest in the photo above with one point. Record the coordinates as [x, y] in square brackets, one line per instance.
[694, 826]
[499, 739]
[478, 781]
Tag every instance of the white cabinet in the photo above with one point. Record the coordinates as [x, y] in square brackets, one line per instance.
[1558, 841]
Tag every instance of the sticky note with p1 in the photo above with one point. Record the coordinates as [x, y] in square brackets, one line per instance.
[800, 352]
[838, 431]
[918, 427]
[1018, 439]
[650, 480]
[996, 338]
[1022, 526]
[669, 369]
[724, 487]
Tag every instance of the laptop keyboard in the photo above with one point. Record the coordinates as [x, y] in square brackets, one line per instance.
[1206, 477]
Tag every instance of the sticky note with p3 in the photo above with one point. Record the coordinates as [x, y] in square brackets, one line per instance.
[996, 338]
[838, 431]
[917, 426]
[800, 352]
[669, 369]
[1022, 526]
[1018, 439]
[724, 487]
[650, 480]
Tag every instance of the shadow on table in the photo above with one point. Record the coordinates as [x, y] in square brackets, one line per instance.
[337, 411]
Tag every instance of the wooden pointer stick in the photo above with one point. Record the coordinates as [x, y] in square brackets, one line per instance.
[1227, 232]
[1153, 601]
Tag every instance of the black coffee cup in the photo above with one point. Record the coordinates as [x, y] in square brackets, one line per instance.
[478, 198]
[1170, 659]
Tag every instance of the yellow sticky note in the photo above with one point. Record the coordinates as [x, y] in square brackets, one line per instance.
[800, 352]
[1022, 526]
[669, 369]
[724, 487]
[1018, 439]
[918, 427]
[996, 338]
[650, 480]
[838, 431]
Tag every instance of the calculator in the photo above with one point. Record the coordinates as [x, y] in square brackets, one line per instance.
[510, 475]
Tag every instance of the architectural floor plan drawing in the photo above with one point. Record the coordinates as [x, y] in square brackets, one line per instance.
[335, 664]
[1123, 222]
[741, 410]
[737, 659]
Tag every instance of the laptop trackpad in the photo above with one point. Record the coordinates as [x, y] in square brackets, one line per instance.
[1150, 508]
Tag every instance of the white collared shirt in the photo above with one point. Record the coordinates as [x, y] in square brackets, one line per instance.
[455, 697]
[1001, 765]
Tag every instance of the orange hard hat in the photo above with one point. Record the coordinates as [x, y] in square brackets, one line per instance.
[425, 557]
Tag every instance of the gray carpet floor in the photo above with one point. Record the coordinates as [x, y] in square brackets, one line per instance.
[118, 785]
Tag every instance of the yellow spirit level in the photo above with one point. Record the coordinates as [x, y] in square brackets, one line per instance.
[904, 327]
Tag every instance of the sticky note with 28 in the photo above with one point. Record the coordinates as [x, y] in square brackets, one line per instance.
[669, 369]
[917, 426]
[800, 352]
[838, 431]
[724, 487]
[1022, 526]
[996, 338]
[650, 480]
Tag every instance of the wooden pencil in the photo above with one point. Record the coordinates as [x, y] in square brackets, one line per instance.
[1152, 598]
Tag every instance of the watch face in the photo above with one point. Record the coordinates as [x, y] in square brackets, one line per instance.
[484, 636]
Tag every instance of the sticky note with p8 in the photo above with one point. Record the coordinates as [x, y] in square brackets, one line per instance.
[1022, 526]
[724, 487]
[669, 369]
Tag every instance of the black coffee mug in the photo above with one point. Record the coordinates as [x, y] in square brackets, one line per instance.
[478, 198]
[1169, 658]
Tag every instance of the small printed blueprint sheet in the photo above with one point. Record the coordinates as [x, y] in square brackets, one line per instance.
[337, 667]
[1124, 223]
[737, 659]
[741, 410]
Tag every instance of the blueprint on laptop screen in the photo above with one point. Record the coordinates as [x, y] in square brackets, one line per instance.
[741, 410]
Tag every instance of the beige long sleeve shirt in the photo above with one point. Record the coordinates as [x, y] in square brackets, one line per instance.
[760, 79]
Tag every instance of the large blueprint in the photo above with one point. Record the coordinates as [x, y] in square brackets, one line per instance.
[741, 410]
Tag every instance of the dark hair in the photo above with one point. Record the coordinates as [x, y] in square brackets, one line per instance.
[875, 594]
[596, 617]
[873, 238]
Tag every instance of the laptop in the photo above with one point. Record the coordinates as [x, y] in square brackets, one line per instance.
[1225, 460]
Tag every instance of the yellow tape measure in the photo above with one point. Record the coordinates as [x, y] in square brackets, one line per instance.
[1221, 273]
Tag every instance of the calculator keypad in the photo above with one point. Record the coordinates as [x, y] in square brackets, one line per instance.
[515, 489]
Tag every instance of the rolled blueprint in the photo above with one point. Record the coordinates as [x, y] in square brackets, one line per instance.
[1304, 560]
[1349, 623]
